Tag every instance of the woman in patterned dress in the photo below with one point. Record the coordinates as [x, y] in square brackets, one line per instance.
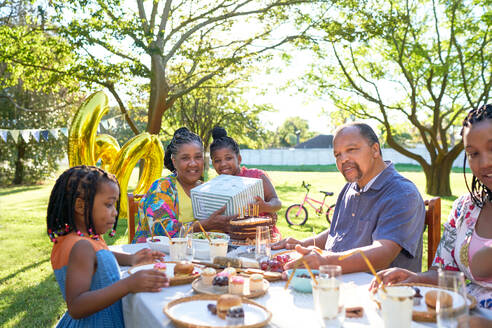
[466, 243]
[167, 203]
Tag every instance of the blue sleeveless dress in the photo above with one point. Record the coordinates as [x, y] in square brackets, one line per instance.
[107, 273]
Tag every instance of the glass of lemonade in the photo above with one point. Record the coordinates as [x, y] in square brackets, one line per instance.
[397, 306]
[326, 296]
[178, 248]
[218, 247]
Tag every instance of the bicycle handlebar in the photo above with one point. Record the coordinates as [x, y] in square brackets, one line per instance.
[306, 185]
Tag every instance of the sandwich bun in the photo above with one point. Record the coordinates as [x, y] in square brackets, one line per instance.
[183, 269]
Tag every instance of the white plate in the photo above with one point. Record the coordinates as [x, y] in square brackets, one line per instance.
[195, 312]
[169, 269]
[422, 307]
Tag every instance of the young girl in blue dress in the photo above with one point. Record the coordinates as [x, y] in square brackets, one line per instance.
[84, 205]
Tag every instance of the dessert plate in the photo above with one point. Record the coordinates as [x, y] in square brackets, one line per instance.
[192, 312]
[173, 280]
[199, 287]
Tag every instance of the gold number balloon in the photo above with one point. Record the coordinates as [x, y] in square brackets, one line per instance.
[144, 146]
[82, 133]
[107, 149]
[85, 147]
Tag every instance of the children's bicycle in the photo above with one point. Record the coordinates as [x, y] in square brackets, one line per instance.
[297, 214]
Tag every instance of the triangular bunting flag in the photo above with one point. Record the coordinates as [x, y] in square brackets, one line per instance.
[98, 129]
[25, 135]
[35, 134]
[104, 124]
[4, 134]
[54, 132]
[15, 135]
[45, 134]
[64, 131]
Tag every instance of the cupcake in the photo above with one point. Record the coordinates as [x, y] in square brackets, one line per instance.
[208, 275]
[221, 283]
[256, 282]
[236, 285]
[160, 266]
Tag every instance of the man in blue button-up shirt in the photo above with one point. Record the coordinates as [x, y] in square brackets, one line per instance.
[378, 211]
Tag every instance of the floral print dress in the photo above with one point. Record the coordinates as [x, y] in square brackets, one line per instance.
[452, 252]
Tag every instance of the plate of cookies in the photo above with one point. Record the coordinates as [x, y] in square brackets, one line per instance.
[424, 301]
[179, 273]
[212, 311]
[229, 282]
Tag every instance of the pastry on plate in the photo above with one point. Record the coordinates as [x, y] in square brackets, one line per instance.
[431, 298]
[183, 269]
[225, 302]
[208, 275]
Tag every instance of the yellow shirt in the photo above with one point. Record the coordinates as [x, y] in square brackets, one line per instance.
[184, 207]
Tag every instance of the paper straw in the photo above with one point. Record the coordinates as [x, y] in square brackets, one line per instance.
[188, 231]
[343, 257]
[310, 272]
[204, 232]
[291, 276]
[165, 231]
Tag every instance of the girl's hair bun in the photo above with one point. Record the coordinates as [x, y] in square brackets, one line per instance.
[218, 132]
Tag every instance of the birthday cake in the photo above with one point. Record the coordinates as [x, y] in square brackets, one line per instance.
[245, 228]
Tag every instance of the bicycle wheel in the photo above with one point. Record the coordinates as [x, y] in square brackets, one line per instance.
[329, 213]
[292, 217]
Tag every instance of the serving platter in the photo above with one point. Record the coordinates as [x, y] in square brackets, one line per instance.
[199, 287]
[192, 311]
[173, 280]
[422, 312]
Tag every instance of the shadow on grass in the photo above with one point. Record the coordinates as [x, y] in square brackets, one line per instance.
[286, 188]
[310, 227]
[18, 189]
[32, 306]
[30, 266]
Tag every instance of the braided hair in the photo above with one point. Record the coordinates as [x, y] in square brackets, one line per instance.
[76, 182]
[479, 193]
[221, 140]
[181, 137]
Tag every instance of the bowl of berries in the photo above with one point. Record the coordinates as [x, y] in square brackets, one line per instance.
[301, 281]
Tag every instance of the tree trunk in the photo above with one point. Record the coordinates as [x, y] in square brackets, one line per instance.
[437, 177]
[159, 92]
[19, 166]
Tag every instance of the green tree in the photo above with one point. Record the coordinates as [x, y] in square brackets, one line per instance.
[217, 105]
[172, 46]
[293, 127]
[30, 97]
[421, 62]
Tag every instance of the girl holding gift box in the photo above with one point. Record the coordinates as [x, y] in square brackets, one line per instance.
[168, 199]
[226, 159]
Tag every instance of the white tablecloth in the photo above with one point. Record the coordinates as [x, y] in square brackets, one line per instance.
[289, 308]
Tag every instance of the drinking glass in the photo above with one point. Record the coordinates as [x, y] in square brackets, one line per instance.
[178, 249]
[397, 306]
[262, 249]
[451, 283]
[326, 296]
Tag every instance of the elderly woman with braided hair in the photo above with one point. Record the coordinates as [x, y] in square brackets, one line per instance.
[168, 199]
[466, 243]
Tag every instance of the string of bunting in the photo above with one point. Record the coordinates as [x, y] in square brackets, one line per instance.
[45, 134]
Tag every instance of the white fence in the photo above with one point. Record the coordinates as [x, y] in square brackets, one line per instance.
[323, 156]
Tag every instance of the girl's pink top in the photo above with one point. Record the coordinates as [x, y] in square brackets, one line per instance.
[476, 244]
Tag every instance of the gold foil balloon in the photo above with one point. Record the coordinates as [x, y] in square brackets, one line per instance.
[85, 148]
[82, 133]
[107, 149]
[144, 146]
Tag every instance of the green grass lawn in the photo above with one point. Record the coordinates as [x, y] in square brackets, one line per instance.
[29, 294]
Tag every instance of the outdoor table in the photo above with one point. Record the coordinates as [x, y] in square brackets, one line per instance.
[289, 308]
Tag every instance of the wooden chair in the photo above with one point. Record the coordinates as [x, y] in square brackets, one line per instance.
[132, 211]
[433, 225]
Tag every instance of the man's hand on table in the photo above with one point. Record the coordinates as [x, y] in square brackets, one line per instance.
[287, 243]
[311, 255]
[146, 256]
